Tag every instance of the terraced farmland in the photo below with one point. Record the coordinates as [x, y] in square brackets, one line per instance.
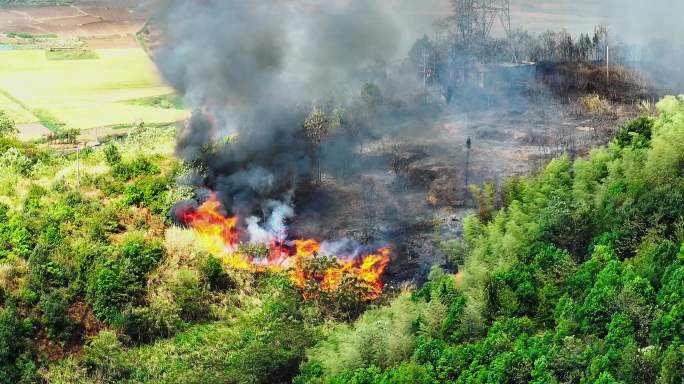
[83, 94]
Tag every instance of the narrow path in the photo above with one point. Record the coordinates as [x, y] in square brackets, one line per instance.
[17, 102]
[79, 10]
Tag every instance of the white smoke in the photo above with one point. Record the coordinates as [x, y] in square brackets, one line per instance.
[275, 228]
[343, 249]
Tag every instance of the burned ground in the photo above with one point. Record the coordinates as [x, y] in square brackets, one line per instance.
[411, 192]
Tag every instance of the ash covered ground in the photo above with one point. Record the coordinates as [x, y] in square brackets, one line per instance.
[412, 193]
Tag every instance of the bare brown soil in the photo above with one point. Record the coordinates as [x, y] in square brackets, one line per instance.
[32, 131]
[88, 326]
[81, 19]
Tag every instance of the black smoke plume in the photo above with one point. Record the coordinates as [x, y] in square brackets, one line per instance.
[252, 71]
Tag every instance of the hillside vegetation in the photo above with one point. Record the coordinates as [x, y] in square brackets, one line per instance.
[577, 277]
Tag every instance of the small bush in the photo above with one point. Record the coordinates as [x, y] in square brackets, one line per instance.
[138, 167]
[635, 132]
[112, 155]
[189, 295]
[148, 192]
[54, 306]
[213, 272]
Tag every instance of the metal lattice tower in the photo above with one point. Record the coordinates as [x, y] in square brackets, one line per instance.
[497, 9]
[474, 19]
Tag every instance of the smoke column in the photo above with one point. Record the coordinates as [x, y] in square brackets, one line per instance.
[251, 71]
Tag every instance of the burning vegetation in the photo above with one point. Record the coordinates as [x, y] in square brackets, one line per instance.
[308, 266]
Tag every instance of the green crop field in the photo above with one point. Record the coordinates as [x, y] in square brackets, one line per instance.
[83, 93]
[18, 113]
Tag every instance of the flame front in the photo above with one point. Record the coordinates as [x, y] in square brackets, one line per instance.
[223, 238]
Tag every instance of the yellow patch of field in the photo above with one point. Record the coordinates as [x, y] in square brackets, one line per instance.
[114, 114]
[87, 93]
[15, 111]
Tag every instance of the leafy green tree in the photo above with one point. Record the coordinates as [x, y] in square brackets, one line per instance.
[53, 306]
[635, 133]
[122, 281]
[13, 346]
[372, 96]
[112, 155]
[8, 128]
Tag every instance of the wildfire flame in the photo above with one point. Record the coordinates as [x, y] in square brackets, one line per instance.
[223, 238]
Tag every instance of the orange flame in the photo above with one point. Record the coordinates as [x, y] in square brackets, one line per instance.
[223, 238]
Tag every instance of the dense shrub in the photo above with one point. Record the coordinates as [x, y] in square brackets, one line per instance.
[104, 357]
[213, 272]
[122, 280]
[190, 296]
[112, 155]
[7, 126]
[44, 273]
[53, 306]
[635, 132]
[137, 167]
[109, 186]
[148, 192]
[146, 324]
[15, 357]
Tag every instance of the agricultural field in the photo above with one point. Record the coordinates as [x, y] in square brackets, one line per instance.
[85, 93]
[18, 113]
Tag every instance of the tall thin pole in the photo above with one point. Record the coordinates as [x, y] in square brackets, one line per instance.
[607, 61]
[78, 167]
[425, 71]
[468, 145]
